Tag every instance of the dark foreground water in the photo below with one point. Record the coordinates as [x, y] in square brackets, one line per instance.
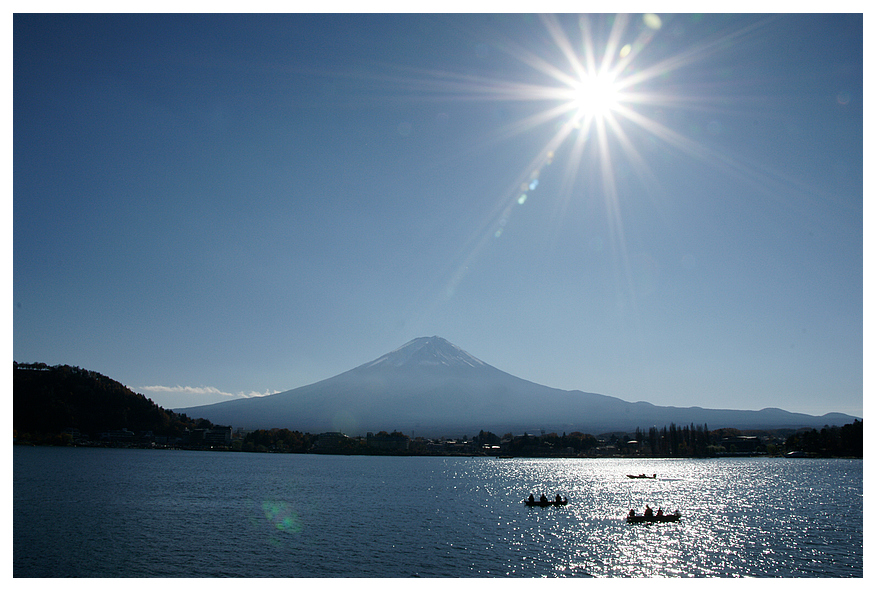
[82, 512]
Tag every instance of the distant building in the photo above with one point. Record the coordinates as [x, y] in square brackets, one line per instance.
[393, 442]
[330, 442]
[741, 443]
[218, 436]
[118, 436]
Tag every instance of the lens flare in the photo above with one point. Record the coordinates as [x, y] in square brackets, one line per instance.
[281, 516]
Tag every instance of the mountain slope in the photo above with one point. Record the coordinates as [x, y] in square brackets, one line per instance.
[433, 388]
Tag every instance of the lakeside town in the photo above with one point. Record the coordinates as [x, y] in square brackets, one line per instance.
[672, 441]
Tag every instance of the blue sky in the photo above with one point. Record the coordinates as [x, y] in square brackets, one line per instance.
[207, 207]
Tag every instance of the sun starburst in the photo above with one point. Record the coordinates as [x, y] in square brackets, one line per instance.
[600, 89]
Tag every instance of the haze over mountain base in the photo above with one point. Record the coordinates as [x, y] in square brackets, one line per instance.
[432, 388]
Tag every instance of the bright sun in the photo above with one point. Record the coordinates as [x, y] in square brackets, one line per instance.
[595, 96]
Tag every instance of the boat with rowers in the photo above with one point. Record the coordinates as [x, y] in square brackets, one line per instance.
[641, 476]
[650, 516]
[545, 502]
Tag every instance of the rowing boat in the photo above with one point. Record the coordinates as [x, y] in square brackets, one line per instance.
[654, 518]
[529, 503]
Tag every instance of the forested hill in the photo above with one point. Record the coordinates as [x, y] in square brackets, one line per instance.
[49, 400]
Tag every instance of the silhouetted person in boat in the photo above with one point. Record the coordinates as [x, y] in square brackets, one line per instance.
[558, 499]
[632, 512]
[531, 498]
[660, 512]
[649, 512]
[543, 498]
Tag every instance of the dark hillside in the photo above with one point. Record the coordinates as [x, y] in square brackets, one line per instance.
[48, 400]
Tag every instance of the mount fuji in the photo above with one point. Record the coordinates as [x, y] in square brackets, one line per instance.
[433, 388]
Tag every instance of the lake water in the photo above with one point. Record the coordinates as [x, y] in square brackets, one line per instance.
[84, 512]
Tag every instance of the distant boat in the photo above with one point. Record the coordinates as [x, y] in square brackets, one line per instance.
[554, 503]
[641, 476]
[654, 518]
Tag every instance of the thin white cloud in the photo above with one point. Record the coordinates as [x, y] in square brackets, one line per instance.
[186, 390]
[182, 397]
[259, 394]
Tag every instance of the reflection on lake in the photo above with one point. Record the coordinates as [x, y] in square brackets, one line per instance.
[114, 512]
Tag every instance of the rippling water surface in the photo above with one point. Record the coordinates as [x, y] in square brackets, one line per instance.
[143, 513]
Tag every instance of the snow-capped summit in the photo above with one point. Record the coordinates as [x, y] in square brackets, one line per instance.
[427, 351]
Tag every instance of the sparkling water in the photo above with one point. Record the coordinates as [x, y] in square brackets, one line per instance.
[85, 512]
